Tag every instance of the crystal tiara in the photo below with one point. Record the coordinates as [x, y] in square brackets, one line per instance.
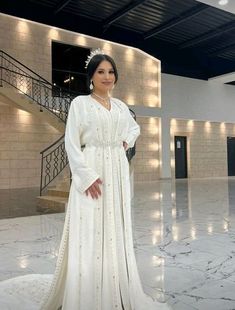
[98, 51]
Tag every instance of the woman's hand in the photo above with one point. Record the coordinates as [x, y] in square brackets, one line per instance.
[94, 189]
[125, 145]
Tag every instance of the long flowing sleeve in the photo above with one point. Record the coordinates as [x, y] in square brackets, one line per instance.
[82, 175]
[133, 130]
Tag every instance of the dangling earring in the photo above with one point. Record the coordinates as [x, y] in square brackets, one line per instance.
[113, 86]
[91, 85]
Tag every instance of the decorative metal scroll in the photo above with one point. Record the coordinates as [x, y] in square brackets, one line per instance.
[54, 160]
[52, 98]
[29, 83]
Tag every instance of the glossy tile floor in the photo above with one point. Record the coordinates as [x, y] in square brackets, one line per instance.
[184, 240]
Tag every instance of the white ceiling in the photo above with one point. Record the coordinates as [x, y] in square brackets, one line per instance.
[230, 7]
[225, 78]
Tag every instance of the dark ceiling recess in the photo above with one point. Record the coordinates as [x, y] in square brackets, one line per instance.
[60, 6]
[190, 38]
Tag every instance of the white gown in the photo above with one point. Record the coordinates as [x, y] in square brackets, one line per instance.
[96, 267]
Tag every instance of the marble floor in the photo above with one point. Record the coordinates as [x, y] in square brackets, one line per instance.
[184, 234]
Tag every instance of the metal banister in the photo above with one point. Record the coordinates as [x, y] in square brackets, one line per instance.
[54, 99]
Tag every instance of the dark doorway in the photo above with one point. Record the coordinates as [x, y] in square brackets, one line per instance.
[181, 157]
[231, 155]
[68, 68]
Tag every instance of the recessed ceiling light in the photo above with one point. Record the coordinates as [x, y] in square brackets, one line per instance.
[223, 2]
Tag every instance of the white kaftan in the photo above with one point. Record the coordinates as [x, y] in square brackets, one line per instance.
[96, 267]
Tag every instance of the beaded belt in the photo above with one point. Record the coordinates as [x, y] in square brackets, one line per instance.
[111, 144]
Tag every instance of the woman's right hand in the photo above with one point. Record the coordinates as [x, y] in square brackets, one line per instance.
[94, 189]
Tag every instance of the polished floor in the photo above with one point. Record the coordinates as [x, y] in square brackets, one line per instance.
[184, 235]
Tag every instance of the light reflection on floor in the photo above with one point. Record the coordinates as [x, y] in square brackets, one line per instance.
[184, 236]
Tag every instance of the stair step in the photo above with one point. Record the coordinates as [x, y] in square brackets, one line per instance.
[51, 204]
[61, 185]
[23, 101]
[58, 192]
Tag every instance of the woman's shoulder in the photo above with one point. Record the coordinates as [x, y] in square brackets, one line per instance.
[81, 98]
[78, 101]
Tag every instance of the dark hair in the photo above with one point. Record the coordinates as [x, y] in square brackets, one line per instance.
[94, 63]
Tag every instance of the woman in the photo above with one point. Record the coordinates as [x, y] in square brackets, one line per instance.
[96, 268]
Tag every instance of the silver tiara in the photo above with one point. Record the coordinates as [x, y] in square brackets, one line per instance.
[98, 51]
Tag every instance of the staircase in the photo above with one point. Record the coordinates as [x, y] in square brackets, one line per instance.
[55, 198]
[34, 93]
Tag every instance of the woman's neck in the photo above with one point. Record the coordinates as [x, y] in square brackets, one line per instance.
[101, 94]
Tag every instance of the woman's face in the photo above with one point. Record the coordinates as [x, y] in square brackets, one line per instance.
[103, 78]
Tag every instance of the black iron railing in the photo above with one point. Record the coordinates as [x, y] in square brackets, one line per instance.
[47, 96]
[54, 160]
[52, 98]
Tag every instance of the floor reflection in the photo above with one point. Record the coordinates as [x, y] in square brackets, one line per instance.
[184, 236]
[189, 231]
[231, 196]
[180, 193]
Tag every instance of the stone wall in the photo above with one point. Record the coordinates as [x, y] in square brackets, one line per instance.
[22, 137]
[139, 78]
[30, 43]
[147, 150]
[206, 146]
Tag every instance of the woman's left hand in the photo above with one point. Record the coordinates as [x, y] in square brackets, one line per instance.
[125, 145]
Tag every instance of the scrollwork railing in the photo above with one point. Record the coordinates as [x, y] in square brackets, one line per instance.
[47, 96]
[54, 160]
[52, 98]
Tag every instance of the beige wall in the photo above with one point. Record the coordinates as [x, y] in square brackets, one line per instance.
[139, 84]
[22, 137]
[30, 43]
[206, 146]
[147, 150]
